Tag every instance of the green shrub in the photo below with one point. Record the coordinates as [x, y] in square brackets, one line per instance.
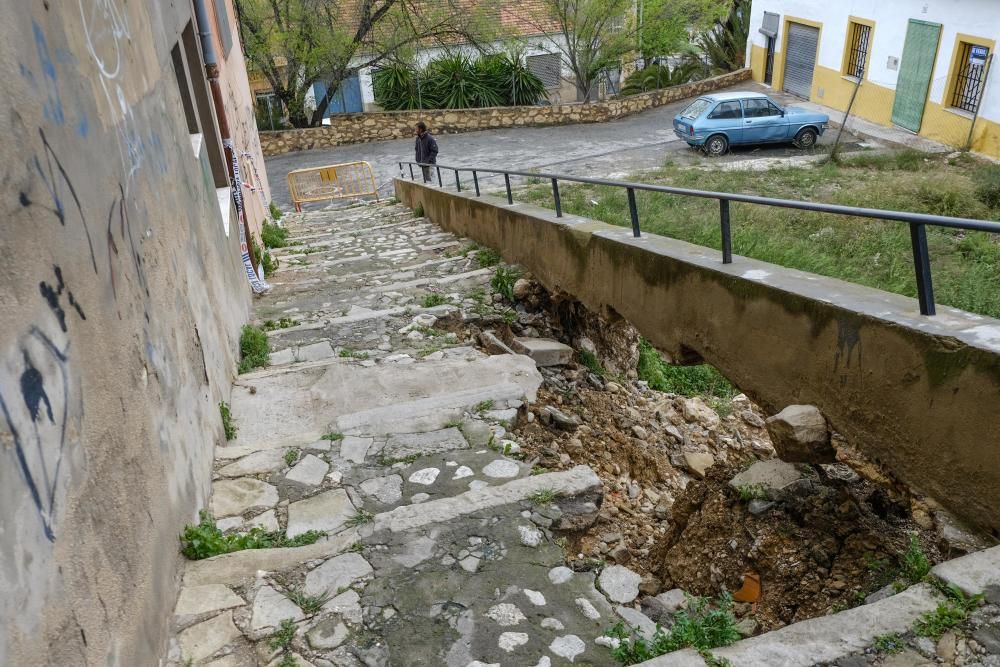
[487, 257]
[274, 236]
[254, 349]
[282, 639]
[206, 540]
[431, 300]
[655, 77]
[418, 212]
[503, 281]
[700, 380]
[702, 626]
[914, 565]
[228, 425]
[591, 362]
[275, 211]
[988, 185]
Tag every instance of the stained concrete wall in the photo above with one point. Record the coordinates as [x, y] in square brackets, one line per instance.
[121, 298]
[919, 394]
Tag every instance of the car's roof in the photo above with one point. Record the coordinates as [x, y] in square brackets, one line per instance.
[732, 95]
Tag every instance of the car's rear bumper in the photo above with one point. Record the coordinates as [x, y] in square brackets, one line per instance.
[693, 139]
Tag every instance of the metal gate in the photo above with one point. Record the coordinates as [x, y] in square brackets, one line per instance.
[800, 59]
[915, 71]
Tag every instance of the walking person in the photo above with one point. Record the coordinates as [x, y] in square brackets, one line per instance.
[427, 150]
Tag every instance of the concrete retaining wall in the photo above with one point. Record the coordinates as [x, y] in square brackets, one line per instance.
[918, 394]
[121, 297]
[378, 126]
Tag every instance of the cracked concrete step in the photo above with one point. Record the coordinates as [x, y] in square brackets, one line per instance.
[299, 406]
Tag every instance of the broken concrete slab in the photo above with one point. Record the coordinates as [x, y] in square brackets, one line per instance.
[974, 573]
[327, 634]
[387, 490]
[257, 463]
[405, 445]
[269, 609]
[310, 470]
[336, 574]
[196, 600]
[235, 496]
[202, 640]
[314, 352]
[544, 351]
[354, 449]
[327, 512]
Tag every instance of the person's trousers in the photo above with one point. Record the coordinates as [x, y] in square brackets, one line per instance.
[427, 174]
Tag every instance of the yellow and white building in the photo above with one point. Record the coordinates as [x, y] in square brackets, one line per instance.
[922, 65]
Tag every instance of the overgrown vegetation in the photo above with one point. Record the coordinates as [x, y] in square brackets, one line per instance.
[291, 457]
[333, 436]
[868, 252]
[890, 643]
[544, 497]
[952, 611]
[264, 258]
[591, 362]
[205, 540]
[283, 323]
[988, 186]
[703, 625]
[700, 380]
[431, 300]
[418, 212]
[748, 492]
[348, 353]
[255, 351]
[275, 211]
[361, 518]
[482, 406]
[309, 604]
[503, 281]
[487, 257]
[274, 236]
[228, 425]
[914, 565]
[282, 638]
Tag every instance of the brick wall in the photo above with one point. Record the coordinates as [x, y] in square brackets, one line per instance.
[378, 126]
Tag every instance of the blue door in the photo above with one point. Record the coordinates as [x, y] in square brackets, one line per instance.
[727, 118]
[762, 122]
[347, 99]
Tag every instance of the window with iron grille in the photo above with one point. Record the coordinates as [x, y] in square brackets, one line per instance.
[547, 67]
[857, 55]
[970, 78]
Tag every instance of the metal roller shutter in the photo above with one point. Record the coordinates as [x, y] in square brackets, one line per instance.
[800, 61]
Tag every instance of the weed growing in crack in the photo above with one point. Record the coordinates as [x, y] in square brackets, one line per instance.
[228, 425]
[255, 351]
[282, 638]
[431, 300]
[275, 211]
[503, 281]
[205, 540]
[453, 423]
[348, 353]
[418, 212]
[590, 361]
[539, 470]
[283, 323]
[291, 456]
[332, 436]
[544, 497]
[356, 548]
[360, 519]
[951, 612]
[274, 236]
[309, 604]
[482, 406]
[750, 492]
[288, 660]
[712, 661]
[890, 643]
[390, 461]
[703, 625]
[487, 257]
[913, 563]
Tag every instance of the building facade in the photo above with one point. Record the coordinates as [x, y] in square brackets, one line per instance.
[122, 294]
[920, 65]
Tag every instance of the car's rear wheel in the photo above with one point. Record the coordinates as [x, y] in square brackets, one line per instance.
[717, 145]
[806, 138]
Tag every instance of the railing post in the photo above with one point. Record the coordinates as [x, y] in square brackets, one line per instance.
[510, 197]
[922, 266]
[475, 179]
[458, 183]
[411, 172]
[634, 212]
[727, 236]
[555, 196]
[440, 184]
[401, 173]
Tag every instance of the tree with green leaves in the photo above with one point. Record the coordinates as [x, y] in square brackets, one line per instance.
[724, 44]
[295, 43]
[666, 26]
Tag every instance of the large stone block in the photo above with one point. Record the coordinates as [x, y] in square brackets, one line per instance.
[800, 435]
[544, 351]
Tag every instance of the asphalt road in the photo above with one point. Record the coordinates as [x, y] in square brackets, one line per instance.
[615, 149]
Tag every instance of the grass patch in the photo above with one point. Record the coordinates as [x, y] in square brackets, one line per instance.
[748, 492]
[868, 252]
[487, 257]
[700, 380]
[591, 362]
[418, 212]
[288, 660]
[275, 211]
[283, 323]
[544, 497]
[703, 625]
[347, 353]
[332, 436]
[431, 300]
[953, 611]
[228, 425]
[390, 461]
[891, 643]
[360, 519]
[309, 604]
[282, 639]
[483, 406]
[255, 351]
[205, 540]
[914, 566]
[503, 281]
[291, 456]
[274, 236]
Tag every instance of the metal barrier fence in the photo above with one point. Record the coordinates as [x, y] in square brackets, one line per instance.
[917, 221]
[335, 181]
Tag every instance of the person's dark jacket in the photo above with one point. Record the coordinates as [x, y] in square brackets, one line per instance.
[427, 149]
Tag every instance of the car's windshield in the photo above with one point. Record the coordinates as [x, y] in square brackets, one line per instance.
[695, 108]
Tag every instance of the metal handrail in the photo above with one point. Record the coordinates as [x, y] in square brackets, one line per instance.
[916, 221]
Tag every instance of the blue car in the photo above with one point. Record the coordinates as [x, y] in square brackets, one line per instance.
[716, 122]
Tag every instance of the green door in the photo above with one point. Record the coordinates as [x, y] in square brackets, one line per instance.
[915, 72]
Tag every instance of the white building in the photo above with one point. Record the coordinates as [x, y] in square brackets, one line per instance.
[923, 65]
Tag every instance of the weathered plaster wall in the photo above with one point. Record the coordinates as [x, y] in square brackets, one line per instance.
[918, 394]
[378, 126]
[120, 302]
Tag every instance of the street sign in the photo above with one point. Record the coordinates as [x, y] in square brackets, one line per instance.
[977, 55]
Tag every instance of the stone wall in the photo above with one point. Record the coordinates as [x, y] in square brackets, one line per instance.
[379, 126]
[917, 394]
[121, 298]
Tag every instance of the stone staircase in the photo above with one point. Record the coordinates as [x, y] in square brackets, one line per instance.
[379, 426]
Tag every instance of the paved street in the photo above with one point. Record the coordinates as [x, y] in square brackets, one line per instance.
[611, 150]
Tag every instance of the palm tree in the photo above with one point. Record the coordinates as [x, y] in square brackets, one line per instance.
[723, 46]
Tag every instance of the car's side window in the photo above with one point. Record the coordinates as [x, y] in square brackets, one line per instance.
[775, 109]
[760, 108]
[726, 110]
